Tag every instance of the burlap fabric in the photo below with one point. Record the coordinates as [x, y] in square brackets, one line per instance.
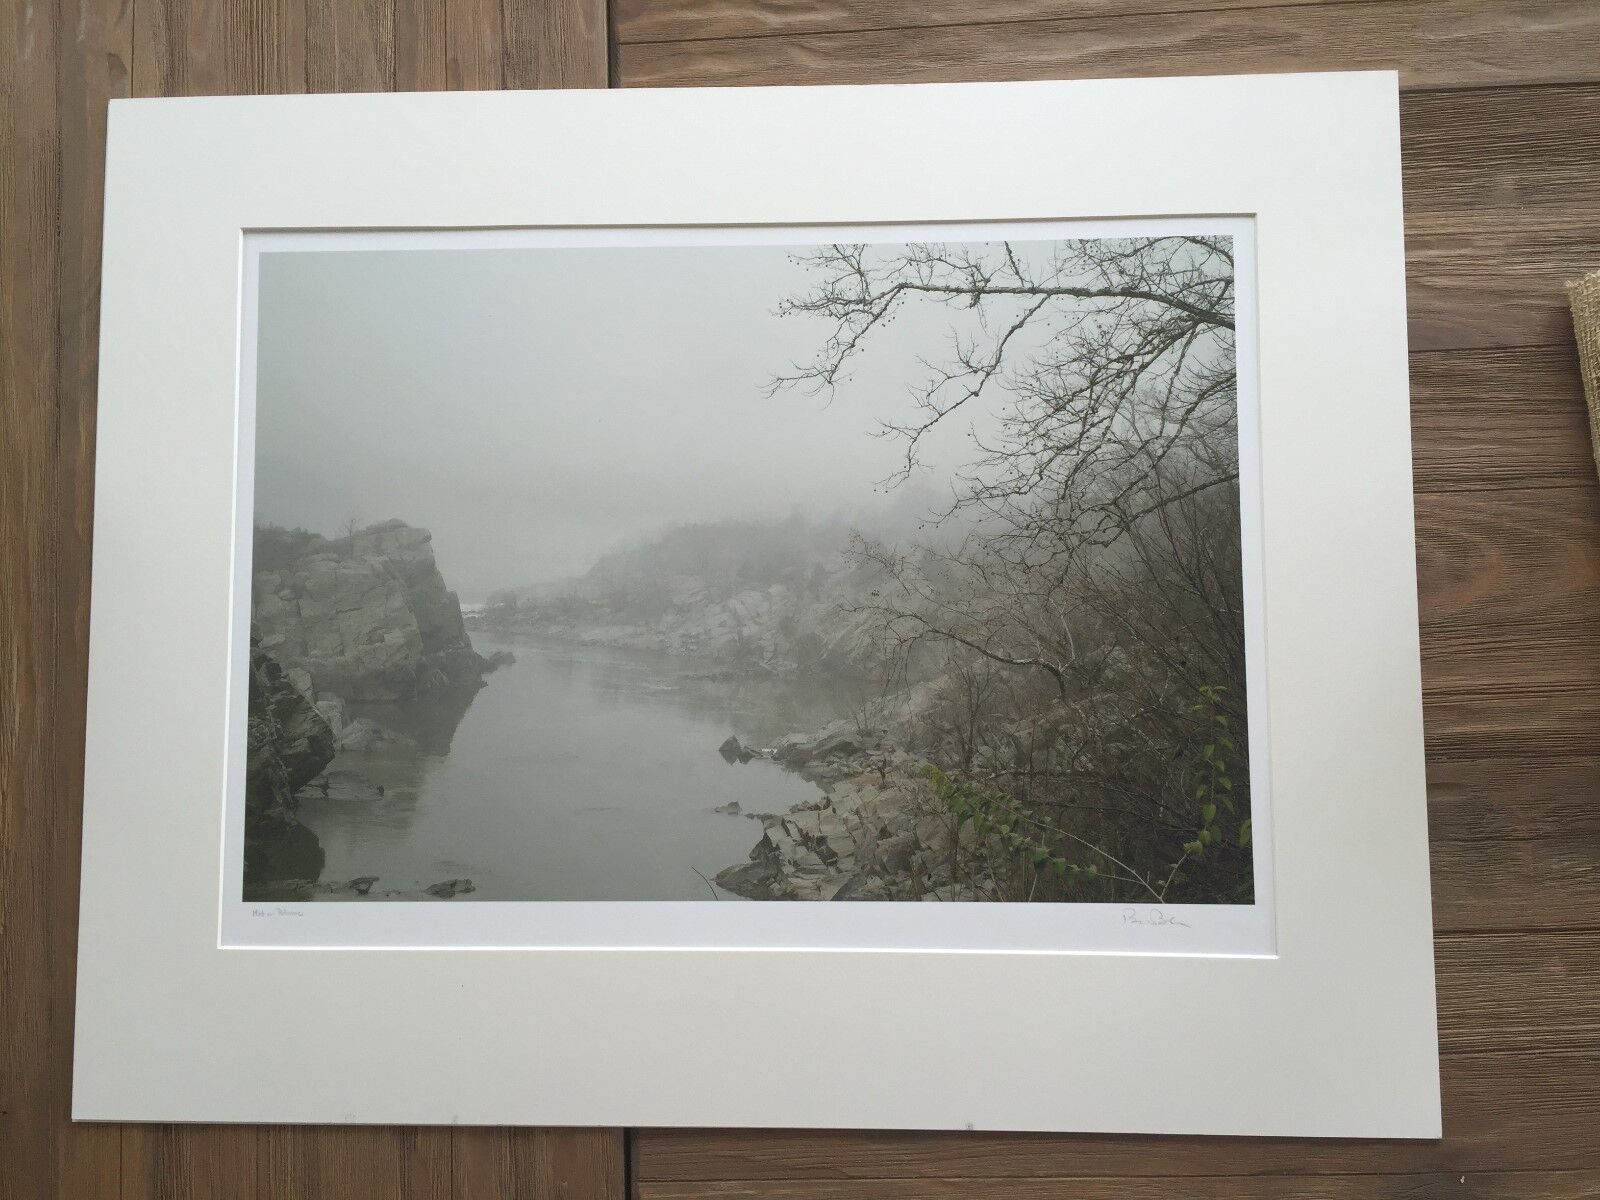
[1585, 295]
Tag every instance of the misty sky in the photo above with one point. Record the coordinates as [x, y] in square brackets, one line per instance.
[536, 408]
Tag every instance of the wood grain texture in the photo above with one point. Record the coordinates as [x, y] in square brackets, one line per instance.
[1492, 285]
[549, 47]
[1517, 798]
[421, 51]
[179, 49]
[1509, 585]
[1507, 150]
[579, 1164]
[1499, 419]
[1432, 43]
[1511, 558]
[349, 45]
[1500, 212]
[689, 20]
[94, 52]
[475, 60]
[1505, 992]
[1542, 1185]
[178, 1162]
[1529, 884]
[30, 1063]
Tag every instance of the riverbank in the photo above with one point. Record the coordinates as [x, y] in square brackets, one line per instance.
[877, 831]
[336, 624]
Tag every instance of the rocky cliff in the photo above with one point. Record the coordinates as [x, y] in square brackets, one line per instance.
[287, 745]
[773, 596]
[776, 628]
[362, 617]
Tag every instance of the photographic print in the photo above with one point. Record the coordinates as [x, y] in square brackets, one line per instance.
[887, 570]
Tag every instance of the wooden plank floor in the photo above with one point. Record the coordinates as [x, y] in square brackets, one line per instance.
[1502, 152]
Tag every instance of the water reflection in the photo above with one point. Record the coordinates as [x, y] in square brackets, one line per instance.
[575, 774]
[431, 722]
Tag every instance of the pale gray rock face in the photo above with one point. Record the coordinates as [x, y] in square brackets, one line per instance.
[366, 617]
[772, 629]
[762, 604]
[876, 834]
[334, 713]
[363, 617]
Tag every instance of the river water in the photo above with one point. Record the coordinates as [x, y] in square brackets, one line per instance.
[576, 774]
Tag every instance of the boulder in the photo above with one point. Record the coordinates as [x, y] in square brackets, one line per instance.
[758, 880]
[827, 748]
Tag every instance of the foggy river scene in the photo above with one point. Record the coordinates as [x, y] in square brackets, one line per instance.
[748, 572]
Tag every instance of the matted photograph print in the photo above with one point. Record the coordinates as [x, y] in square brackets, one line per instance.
[740, 570]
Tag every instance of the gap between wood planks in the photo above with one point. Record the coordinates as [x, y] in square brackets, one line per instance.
[1437, 44]
[930, 14]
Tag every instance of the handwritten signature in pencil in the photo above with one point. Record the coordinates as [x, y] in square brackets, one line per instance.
[1154, 916]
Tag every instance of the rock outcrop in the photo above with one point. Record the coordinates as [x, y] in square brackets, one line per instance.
[337, 622]
[288, 743]
[760, 596]
[365, 617]
[774, 630]
[877, 832]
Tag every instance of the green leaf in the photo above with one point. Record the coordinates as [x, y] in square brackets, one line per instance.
[1208, 813]
[1244, 834]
